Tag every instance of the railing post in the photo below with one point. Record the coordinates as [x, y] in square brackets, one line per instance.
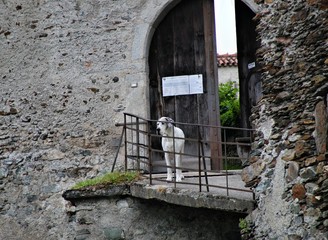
[118, 149]
[204, 165]
[149, 154]
[225, 160]
[174, 162]
[199, 159]
[125, 145]
[138, 143]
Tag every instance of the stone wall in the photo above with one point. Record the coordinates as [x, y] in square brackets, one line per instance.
[288, 167]
[66, 74]
[132, 218]
[140, 211]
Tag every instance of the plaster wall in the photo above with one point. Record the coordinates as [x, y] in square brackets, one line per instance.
[226, 74]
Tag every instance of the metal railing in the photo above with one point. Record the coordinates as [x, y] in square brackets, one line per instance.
[143, 153]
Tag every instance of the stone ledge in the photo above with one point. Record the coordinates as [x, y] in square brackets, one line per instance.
[92, 192]
[181, 197]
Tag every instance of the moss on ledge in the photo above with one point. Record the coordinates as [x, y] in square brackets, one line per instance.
[113, 178]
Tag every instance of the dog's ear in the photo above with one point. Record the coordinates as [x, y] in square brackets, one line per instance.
[170, 121]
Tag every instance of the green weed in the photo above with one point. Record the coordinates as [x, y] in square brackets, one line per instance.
[112, 178]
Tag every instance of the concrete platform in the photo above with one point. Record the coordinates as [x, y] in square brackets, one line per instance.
[190, 198]
[181, 194]
[218, 183]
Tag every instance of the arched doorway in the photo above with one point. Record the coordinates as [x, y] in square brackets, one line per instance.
[184, 44]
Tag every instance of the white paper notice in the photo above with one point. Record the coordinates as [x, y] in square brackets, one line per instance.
[173, 86]
[196, 84]
[182, 85]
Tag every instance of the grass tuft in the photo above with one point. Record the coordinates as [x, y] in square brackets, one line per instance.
[112, 178]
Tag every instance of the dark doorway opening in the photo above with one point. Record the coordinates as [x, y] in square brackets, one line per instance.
[249, 76]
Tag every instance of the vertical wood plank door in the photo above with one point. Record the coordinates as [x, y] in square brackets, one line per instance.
[184, 44]
[249, 78]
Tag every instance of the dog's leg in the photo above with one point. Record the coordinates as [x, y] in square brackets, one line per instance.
[179, 171]
[169, 169]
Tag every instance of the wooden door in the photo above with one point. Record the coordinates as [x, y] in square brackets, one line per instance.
[184, 44]
[249, 76]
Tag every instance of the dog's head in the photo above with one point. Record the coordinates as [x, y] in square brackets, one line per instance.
[163, 124]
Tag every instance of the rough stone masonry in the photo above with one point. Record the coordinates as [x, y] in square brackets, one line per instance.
[66, 70]
[288, 167]
[66, 74]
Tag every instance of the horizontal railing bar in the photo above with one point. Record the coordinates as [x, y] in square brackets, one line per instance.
[142, 161]
[191, 139]
[186, 154]
[174, 167]
[218, 173]
[190, 176]
[182, 154]
[136, 144]
[145, 133]
[200, 140]
[195, 124]
[127, 124]
[136, 156]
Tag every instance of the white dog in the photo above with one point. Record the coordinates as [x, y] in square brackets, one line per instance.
[166, 128]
